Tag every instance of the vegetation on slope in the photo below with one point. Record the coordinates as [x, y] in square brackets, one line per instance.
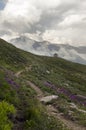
[5, 109]
[52, 75]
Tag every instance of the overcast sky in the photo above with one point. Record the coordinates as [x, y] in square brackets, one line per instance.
[58, 21]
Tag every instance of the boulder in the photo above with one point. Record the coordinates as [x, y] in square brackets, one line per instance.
[48, 99]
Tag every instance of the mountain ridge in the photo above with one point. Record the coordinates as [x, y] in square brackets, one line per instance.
[69, 52]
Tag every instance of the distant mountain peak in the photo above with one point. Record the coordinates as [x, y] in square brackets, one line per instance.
[66, 51]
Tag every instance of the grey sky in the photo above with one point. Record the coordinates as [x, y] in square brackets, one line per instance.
[58, 21]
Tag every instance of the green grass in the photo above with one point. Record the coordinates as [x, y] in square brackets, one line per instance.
[60, 72]
[5, 109]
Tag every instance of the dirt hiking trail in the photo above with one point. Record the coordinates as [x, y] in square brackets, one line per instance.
[54, 112]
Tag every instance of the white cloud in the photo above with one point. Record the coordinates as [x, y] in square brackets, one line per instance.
[54, 37]
[58, 21]
[29, 10]
[16, 10]
[46, 4]
[72, 19]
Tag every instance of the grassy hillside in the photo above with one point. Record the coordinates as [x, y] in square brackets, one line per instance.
[52, 76]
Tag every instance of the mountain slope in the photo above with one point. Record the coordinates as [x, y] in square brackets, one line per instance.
[75, 54]
[53, 76]
[11, 55]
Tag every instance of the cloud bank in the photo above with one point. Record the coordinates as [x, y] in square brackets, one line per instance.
[57, 21]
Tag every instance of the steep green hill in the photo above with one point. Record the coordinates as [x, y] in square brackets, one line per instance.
[53, 76]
